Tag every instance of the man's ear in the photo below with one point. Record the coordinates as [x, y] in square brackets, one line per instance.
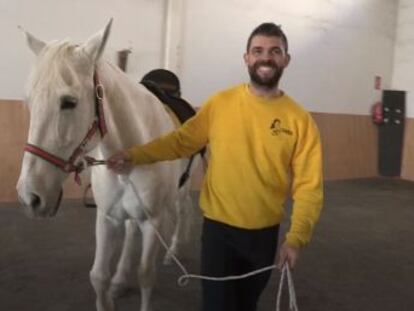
[245, 58]
[287, 61]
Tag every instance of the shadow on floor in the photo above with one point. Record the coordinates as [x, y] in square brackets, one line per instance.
[361, 257]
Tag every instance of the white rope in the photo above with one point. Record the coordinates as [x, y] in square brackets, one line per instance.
[183, 280]
[292, 295]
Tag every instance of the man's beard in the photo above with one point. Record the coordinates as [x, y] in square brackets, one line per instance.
[266, 82]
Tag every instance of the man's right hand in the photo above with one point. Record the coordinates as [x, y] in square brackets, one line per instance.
[120, 162]
[288, 254]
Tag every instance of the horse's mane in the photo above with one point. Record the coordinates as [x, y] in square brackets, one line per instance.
[54, 67]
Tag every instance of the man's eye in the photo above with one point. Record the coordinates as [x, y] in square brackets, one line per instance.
[276, 52]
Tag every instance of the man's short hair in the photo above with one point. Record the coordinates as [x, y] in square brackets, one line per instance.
[268, 30]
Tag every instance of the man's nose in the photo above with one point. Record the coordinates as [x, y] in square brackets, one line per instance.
[266, 56]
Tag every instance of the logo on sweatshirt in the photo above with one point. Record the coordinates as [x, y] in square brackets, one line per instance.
[277, 129]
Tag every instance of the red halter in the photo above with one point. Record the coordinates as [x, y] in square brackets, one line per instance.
[70, 165]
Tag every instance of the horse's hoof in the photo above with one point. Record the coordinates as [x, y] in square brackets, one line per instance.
[122, 290]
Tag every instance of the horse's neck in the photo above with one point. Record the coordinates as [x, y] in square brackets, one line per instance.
[133, 115]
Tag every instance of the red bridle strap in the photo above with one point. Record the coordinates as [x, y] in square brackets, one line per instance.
[56, 161]
[99, 96]
[70, 165]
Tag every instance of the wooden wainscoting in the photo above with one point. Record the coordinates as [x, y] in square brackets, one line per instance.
[349, 145]
[14, 121]
[407, 171]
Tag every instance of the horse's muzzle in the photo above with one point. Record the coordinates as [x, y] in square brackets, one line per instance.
[34, 206]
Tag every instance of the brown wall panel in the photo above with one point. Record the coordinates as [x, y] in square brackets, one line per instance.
[14, 121]
[13, 129]
[407, 171]
[349, 146]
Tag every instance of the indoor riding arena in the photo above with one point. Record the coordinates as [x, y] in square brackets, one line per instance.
[83, 80]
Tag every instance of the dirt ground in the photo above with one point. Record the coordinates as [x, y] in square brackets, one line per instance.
[360, 259]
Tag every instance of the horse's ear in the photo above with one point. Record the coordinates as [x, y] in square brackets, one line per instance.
[35, 44]
[95, 45]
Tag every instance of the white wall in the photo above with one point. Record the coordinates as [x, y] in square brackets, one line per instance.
[138, 24]
[403, 77]
[337, 48]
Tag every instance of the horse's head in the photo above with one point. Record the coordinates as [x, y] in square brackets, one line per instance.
[61, 99]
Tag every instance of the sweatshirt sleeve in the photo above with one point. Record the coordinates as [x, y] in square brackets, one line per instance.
[307, 184]
[188, 139]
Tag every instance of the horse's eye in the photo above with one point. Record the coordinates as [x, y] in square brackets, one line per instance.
[68, 102]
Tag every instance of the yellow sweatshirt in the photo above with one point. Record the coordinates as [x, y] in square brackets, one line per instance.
[261, 150]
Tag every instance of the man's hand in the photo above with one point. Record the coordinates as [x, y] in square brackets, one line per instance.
[120, 162]
[288, 254]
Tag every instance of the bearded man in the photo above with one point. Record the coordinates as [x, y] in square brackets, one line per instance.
[263, 147]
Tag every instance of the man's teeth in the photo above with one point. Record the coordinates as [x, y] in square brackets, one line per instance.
[265, 69]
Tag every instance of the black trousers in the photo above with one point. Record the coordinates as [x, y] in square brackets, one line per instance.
[226, 251]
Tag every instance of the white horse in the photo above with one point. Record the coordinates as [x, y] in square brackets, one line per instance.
[72, 113]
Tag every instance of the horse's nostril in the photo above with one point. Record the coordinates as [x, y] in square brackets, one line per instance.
[35, 201]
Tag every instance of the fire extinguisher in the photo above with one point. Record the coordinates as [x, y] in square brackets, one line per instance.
[377, 114]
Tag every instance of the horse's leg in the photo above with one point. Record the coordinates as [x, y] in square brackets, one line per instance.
[183, 209]
[146, 270]
[125, 278]
[107, 235]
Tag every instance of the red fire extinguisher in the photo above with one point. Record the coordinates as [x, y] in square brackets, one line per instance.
[377, 113]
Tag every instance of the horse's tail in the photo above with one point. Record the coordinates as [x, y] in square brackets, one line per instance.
[183, 216]
[184, 207]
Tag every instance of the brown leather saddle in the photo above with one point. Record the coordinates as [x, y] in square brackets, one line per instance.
[183, 111]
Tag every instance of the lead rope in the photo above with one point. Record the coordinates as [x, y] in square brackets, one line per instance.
[291, 288]
[184, 279]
